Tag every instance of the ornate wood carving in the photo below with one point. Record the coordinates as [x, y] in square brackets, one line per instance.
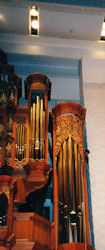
[66, 125]
[40, 80]
[7, 188]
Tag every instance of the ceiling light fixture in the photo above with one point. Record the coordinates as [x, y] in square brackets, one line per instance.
[34, 20]
[103, 31]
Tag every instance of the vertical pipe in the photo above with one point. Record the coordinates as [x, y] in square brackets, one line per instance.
[46, 126]
[27, 139]
[65, 173]
[74, 232]
[43, 134]
[71, 175]
[33, 128]
[80, 215]
[17, 130]
[19, 138]
[76, 171]
[25, 133]
[23, 141]
[55, 189]
[37, 128]
[16, 144]
[60, 182]
[13, 145]
[72, 190]
[79, 181]
[65, 191]
[41, 128]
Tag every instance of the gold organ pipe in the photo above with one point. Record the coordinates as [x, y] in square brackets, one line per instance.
[25, 133]
[65, 189]
[33, 128]
[65, 173]
[79, 181]
[37, 128]
[16, 147]
[60, 176]
[80, 226]
[71, 175]
[74, 232]
[19, 139]
[76, 169]
[80, 198]
[41, 128]
[43, 133]
[23, 141]
[33, 121]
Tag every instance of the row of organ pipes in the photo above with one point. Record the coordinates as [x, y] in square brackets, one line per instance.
[37, 133]
[37, 129]
[71, 218]
[69, 162]
[20, 146]
[69, 175]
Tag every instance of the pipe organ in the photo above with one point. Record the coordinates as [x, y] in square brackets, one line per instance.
[37, 130]
[24, 157]
[20, 145]
[38, 87]
[69, 176]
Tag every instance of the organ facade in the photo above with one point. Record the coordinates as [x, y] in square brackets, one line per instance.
[25, 171]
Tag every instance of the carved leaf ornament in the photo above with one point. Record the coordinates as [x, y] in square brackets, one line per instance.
[69, 124]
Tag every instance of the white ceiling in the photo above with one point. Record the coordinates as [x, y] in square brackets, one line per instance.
[53, 22]
[70, 25]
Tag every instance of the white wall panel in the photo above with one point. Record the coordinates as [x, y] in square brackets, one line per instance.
[65, 88]
[94, 99]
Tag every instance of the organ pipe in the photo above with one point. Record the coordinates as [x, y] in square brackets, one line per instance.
[71, 175]
[37, 129]
[70, 185]
[20, 147]
[65, 174]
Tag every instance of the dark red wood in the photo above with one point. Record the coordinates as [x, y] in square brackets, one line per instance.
[75, 246]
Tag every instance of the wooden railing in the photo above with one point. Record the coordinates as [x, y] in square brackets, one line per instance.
[34, 228]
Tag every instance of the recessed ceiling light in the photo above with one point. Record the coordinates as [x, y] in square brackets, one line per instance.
[34, 20]
[103, 31]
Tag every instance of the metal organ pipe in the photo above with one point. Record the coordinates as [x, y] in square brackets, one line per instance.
[37, 129]
[70, 192]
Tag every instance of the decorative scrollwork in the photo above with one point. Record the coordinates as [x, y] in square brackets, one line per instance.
[69, 124]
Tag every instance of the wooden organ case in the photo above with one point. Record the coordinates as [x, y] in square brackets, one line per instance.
[71, 217]
[23, 154]
[24, 165]
[30, 146]
[10, 90]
